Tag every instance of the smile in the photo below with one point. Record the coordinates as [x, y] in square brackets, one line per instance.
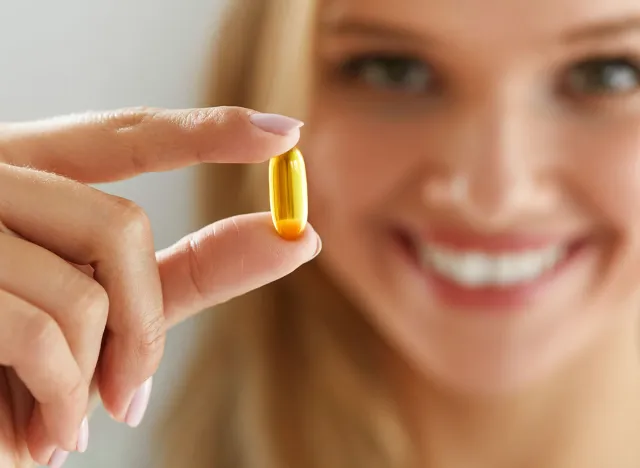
[495, 272]
[478, 269]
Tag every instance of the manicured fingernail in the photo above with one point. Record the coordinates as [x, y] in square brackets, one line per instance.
[275, 123]
[318, 248]
[83, 436]
[58, 458]
[139, 404]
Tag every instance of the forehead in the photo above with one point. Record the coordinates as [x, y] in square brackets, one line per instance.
[479, 21]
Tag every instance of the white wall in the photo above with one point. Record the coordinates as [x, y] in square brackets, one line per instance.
[73, 55]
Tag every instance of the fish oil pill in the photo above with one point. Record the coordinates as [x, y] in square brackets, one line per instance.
[288, 194]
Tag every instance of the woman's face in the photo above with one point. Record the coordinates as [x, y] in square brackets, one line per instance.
[474, 172]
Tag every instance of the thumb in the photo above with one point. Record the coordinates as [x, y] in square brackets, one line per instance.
[227, 259]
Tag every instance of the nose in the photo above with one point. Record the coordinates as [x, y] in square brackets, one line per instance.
[492, 168]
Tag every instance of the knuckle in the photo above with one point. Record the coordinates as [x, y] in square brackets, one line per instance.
[130, 117]
[196, 269]
[202, 273]
[196, 117]
[93, 303]
[150, 343]
[223, 117]
[77, 392]
[40, 333]
[131, 221]
[129, 125]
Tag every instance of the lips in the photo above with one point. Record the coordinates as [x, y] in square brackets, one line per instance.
[475, 271]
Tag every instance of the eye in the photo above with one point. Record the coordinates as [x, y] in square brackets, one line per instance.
[391, 73]
[605, 76]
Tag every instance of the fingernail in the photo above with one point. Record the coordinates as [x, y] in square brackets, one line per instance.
[275, 123]
[139, 404]
[318, 248]
[83, 436]
[58, 458]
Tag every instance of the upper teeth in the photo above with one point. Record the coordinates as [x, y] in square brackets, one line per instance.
[478, 269]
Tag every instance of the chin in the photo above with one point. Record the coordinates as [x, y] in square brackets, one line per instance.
[480, 355]
[492, 376]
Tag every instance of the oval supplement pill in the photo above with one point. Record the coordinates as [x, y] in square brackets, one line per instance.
[288, 194]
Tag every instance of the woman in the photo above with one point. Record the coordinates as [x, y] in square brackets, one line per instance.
[473, 180]
[476, 304]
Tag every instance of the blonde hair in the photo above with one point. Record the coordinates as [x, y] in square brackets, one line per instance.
[287, 375]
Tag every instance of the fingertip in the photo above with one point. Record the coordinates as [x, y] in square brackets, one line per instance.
[122, 397]
[318, 243]
[108, 397]
[39, 448]
[269, 145]
[276, 124]
[139, 404]
[225, 134]
[83, 436]
[260, 136]
[40, 443]
[58, 458]
[305, 241]
[309, 237]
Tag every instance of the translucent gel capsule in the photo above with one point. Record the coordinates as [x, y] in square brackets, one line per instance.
[288, 194]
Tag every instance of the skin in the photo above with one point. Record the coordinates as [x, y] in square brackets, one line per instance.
[83, 293]
[495, 140]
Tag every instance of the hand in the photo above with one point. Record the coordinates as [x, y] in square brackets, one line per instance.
[82, 290]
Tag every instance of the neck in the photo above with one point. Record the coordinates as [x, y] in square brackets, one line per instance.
[588, 416]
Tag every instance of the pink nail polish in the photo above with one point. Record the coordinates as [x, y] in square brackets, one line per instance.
[318, 248]
[139, 404]
[275, 123]
[83, 436]
[58, 458]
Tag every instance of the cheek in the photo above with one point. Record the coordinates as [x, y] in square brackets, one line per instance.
[358, 167]
[604, 171]
[607, 172]
[356, 163]
[347, 178]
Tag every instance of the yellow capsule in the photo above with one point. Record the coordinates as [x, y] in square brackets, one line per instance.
[288, 194]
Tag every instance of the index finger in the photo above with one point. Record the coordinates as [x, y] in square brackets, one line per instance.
[105, 147]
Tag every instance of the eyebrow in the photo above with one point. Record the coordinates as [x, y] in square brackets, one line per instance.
[380, 30]
[604, 30]
[371, 29]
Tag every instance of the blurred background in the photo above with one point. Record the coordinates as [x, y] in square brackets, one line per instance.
[67, 56]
